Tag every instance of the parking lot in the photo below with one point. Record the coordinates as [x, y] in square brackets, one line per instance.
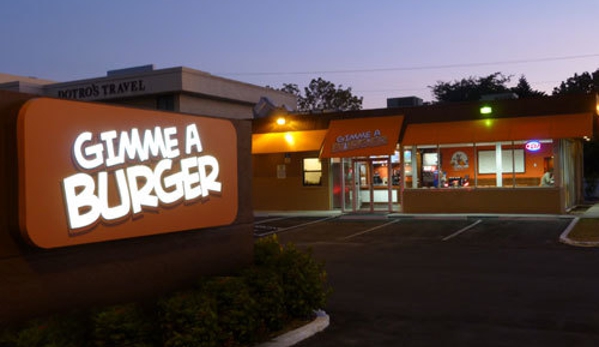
[498, 231]
[449, 280]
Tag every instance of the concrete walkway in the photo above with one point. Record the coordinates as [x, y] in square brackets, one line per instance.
[592, 212]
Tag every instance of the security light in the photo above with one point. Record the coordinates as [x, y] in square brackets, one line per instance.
[486, 110]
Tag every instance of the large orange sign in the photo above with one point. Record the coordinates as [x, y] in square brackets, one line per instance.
[92, 173]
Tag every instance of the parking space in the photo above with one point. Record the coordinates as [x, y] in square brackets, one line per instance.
[415, 230]
[264, 226]
[515, 232]
[452, 231]
[460, 281]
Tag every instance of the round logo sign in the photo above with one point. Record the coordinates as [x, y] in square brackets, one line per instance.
[533, 146]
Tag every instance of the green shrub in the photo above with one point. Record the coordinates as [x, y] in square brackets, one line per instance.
[284, 283]
[236, 308]
[188, 319]
[267, 252]
[56, 331]
[121, 325]
[265, 287]
[302, 278]
[304, 282]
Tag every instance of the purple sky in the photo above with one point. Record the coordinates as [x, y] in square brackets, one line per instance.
[381, 49]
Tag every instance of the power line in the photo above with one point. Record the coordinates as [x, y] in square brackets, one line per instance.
[411, 68]
[392, 90]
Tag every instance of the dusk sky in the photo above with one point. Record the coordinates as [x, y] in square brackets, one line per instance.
[381, 49]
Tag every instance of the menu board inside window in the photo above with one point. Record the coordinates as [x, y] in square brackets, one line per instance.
[487, 163]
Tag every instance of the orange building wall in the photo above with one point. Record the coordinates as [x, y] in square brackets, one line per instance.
[270, 193]
[492, 200]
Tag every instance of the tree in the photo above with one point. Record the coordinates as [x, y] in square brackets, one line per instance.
[584, 83]
[321, 95]
[473, 88]
[524, 90]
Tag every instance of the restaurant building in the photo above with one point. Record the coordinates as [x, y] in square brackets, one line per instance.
[471, 157]
[179, 89]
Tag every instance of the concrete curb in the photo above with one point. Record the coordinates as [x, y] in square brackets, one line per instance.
[320, 323]
[563, 238]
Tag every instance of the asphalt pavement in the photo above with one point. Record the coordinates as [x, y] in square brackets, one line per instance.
[448, 280]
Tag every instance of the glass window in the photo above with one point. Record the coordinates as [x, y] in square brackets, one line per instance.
[165, 102]
[497, 164]
[408, 167]
[456, 165]
[312, 172]
[421, 165]
[395, 168]
[508, 164]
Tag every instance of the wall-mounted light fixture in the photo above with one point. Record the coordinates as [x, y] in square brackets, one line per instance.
[486, 109]
[281, 121]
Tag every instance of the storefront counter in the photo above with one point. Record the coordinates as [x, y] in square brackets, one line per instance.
[484, 200]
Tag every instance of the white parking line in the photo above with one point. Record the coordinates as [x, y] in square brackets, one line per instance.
[462, 230]
[297, 226]
[369, 230]
[270, 220]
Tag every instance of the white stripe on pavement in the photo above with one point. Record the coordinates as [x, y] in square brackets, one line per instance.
[369, 230]
[462, 230]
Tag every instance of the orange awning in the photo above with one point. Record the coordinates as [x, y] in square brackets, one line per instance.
[500, 129]
[291, 141]
[361, 137]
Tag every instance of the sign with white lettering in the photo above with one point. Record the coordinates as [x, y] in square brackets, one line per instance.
[359, 137]
[92, 173]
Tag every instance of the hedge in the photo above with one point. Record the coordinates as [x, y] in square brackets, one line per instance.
[284, 284]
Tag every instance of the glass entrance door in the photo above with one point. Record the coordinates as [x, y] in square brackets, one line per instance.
[363, 186]
[366, 185]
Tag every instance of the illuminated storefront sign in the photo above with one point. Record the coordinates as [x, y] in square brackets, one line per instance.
[361, 136]
[364, 139]
[92, 173]
[533, 146]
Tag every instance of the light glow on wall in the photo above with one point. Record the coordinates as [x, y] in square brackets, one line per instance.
[289, 138]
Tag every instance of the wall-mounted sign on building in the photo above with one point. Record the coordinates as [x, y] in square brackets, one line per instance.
[363, 136]
[91, 173]
[92, 91]
[533, 146]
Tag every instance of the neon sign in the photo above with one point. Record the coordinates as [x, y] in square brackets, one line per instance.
[533, 146]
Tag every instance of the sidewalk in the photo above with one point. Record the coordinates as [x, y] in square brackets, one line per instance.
[592, 212]
[584, 229]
